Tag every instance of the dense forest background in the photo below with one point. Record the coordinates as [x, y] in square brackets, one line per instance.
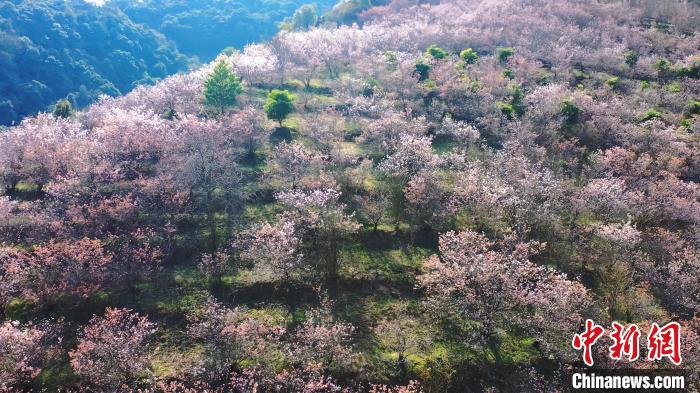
[57, 49]
[75, 50]
[203, 28]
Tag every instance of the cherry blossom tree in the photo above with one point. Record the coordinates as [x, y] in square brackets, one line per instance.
[257, 63]
[323, 223]
[231, 335]
[495, 284]
[112, 349]
[206, 163]
[323, 343]
[214, 265]
[75, 268]
[274, 250]
[291, 163]
[24, 350]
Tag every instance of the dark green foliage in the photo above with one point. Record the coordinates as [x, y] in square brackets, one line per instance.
[508, 73]
[570, 111]
[517, 95]
[504, 54]
[436, 52]
[685, 123]
[469, 56]
[18, 309]
[674, 87]
[662, 65]
[63, 109]
[631, 58]
[222, 88]
[693, 108]
[506, 109]
[279, 104]
[422, 70]
[613, 82]
[369, 86]
[347, 11]
[56, 49]
[691, 71]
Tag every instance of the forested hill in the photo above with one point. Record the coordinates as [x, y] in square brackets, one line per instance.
[435, 199]
[55, 49]
[203, 28]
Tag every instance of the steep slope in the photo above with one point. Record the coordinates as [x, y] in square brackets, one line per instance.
[435, 201]
[54, 49]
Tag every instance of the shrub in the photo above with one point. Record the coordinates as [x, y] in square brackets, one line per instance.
[469, 56]
[63, 109]
[506, 109]
[661, 65]
[436, 52]
[570, 111]
[422, 70]
[651, 114]
[674, 87]
[693, 108]
[631, 58]
[613, 82]
[504, 54]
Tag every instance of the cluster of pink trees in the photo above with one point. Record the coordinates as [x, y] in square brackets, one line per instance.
[112, 349]
[494, 283]
[545, 152]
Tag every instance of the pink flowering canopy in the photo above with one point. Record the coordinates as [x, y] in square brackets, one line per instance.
[460, 187]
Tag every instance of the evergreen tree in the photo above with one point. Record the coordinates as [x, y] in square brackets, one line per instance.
[222, 88]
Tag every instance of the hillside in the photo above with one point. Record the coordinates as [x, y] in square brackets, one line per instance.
[203, 28]
[55, 49]
[435, 199]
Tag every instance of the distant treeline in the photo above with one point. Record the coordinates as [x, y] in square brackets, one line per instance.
[203, 28]
[52, 50]
[55, 49]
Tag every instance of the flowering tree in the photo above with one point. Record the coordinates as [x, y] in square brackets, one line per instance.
[205, 163]
[75, 268]
[257, 63]
[495, 284]
[24, 350]
[323, 224]
[274, 250]
[322, 343]
[231, 335]
[111, 350]
[214, 265]
[291, 163]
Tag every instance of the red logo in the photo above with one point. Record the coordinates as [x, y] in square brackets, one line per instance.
[662, 342]
[587, 339]
[625, 342]
[665, 342]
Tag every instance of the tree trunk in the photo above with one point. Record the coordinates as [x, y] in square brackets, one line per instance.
[496, 351]
[211, 221]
